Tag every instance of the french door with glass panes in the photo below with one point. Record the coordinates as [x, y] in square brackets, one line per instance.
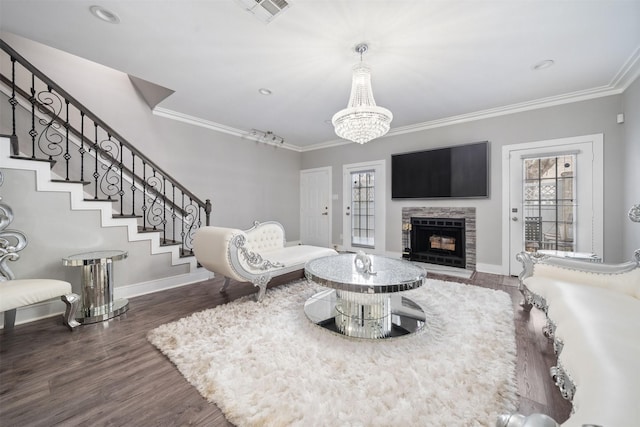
[553, 197]
[550, 203]
[364, 193]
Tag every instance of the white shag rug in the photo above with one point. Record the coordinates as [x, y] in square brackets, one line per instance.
[266, 364]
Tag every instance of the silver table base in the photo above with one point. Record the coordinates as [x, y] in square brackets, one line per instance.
[359, 315]
[102, 313]
[98, 303]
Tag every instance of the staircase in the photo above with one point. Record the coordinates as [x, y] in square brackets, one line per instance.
[72, 150]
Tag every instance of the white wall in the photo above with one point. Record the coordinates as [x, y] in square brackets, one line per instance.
[631, 230]
[582, 118]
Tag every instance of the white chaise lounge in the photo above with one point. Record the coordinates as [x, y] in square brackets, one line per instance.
[593, 313]
[255, 255]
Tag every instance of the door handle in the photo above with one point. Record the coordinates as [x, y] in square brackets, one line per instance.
[348, 214]
[325, 213]
[514, 218]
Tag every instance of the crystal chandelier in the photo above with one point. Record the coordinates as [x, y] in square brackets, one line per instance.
[362, 120]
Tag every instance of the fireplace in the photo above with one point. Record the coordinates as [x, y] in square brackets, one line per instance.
[438, 241]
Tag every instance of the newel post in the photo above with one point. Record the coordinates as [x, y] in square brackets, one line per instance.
[207, 211]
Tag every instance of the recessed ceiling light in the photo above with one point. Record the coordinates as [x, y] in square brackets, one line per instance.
[264, 91]
[543, 64]
[104, 14]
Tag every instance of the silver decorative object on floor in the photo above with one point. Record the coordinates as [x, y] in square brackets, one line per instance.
[634, 213]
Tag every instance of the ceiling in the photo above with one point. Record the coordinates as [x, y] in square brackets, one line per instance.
[433, 62]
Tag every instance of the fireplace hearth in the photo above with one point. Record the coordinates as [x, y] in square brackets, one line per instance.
[438, 241]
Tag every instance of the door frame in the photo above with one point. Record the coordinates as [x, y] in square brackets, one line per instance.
[329, 171]
[597, 185]
[379, 166]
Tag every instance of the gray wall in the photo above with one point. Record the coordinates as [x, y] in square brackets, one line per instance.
[53, 232]
[581, 118]
[248, 181]
[631, 230]
[245, 181]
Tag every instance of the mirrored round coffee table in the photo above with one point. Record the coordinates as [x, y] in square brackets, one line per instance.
[363, 304]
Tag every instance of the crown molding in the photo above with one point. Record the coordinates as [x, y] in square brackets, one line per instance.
[510, 109]
[196, 121]
[621, 84]
[208, 124]
[627, 74]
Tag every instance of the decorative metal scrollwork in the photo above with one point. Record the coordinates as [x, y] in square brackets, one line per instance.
[50, 139]
[11, 241]
[88, 150]
[192, 221]
[634, 213]
[154, 206]
[563, 381]
[253, 259]
[110, 179]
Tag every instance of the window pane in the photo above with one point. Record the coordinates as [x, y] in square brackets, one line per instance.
[549, 203]
[362, 209]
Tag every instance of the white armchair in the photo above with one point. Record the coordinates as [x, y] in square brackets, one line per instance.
[19, 293]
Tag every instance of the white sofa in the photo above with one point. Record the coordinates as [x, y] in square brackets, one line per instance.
[255, 255]
[593, 313]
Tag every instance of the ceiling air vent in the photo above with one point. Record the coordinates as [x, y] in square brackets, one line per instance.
[265, 10]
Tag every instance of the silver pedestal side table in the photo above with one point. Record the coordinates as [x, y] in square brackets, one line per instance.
[97, 285]
[362, 299]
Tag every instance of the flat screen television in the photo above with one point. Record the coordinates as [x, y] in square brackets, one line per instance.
[460, 171]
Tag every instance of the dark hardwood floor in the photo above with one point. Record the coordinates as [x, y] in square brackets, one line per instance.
[108, 374]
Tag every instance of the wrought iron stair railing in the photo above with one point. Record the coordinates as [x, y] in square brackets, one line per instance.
[48, 124]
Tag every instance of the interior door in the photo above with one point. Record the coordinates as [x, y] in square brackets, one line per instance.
[586, 208]
[315, 207]
[363, 226]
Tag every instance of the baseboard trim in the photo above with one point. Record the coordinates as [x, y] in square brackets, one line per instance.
[157, 285]
[56, 307]
[489, 268]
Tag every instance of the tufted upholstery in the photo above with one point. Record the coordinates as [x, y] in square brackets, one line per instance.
[267, 237]
[255, 255]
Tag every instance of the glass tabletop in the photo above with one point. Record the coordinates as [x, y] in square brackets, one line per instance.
[387, 275]
[94, 257]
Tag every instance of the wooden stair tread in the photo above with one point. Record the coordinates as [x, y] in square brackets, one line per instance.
[149, 230]
[101, 200]
[125, 216]
[184, 253]
[69, 181]
[51, 162]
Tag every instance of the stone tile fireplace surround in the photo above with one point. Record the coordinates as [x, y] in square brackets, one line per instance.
[468, 214]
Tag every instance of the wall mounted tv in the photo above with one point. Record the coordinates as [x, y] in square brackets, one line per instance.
[460, 171]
